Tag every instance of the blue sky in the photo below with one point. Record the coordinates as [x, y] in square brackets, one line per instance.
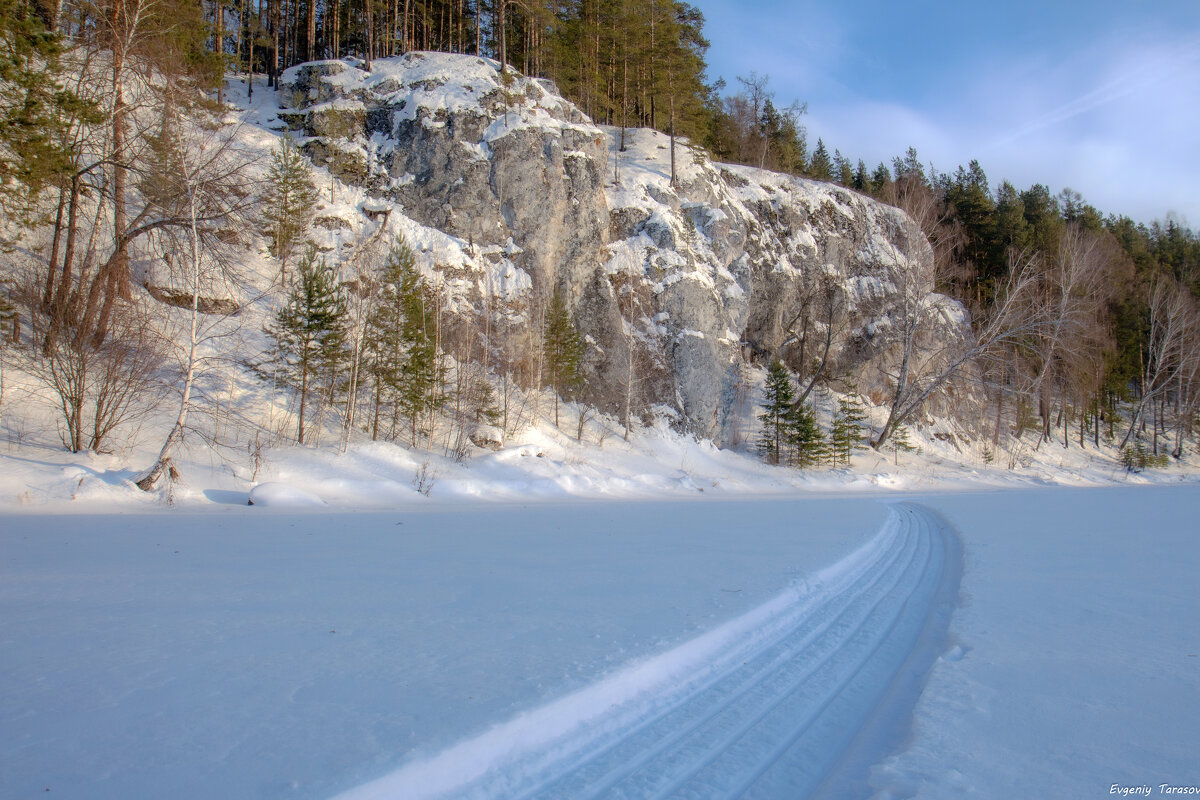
[1102, 97]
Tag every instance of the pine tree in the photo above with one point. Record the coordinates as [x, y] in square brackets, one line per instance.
[821, 166]
[401, 353]
[970, 199]
[310, 330]
[162, 183]
[862, 179]
[420, 374]
[843, 171]
[384, 344]
[899, 443]
[881, 180]
[805, 436]
[562, 350]
[35, 109]
[291, 195]
[778, 400]
[846, 434]
[783, 147]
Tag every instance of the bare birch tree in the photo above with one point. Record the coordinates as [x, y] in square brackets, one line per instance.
[1171, 350]
[200, 175]
[1073, 299]
[925, 360]
[811, 330]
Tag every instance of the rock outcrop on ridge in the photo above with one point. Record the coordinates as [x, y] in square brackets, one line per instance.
[675, 285]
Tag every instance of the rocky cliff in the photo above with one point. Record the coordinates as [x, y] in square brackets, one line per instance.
[676, 285]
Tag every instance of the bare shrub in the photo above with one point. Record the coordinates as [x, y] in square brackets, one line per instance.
[424, 479]
[106, 386]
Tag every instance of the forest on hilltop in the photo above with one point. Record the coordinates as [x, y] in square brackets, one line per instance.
[1119, 297]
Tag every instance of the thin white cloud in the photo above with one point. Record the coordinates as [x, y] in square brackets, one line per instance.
[1140, 71]
[1120, 123]
[1114, 116]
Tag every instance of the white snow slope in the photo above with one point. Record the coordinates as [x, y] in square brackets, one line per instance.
[777, 648]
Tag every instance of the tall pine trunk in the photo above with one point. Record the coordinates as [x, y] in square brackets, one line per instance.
[304, 368]
[219, 48]
[310, 43]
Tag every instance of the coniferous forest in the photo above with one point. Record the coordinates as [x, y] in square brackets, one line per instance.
[1119, 358]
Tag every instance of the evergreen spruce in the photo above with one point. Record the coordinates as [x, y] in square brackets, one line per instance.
[843, 170]
[384, 345]
[778, 399]
[35, 109]
[563, 351]
[821, 166]
[1135, 458]
[420, 375]
[862, 179]
[846, 434]
[808, 443]
[164, 183]
[401, 355]
[310, 331]
[291, 195]
[9, 320]
[881, 180]
[483, 408]
[899, 442]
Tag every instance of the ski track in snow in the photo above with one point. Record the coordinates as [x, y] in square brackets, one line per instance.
[798, 697]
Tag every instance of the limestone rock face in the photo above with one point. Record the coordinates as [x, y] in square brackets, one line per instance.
[676, 285]
[496, 161]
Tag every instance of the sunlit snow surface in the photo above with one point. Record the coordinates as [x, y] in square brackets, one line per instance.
[260, 653]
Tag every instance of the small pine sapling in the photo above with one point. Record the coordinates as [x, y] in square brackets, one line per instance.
[846, 434]
[563, 352]
[900, 442]
[291, 196]
[807, 441]
[310, 331]
[778, 398]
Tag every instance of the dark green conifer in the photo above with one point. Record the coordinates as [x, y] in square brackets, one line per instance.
[807, 441]
[401, 353]
[291, 195]
[310, 331]
[778, 399]
[563, 350]
[899, 442]
[846, 434]
[35, 108]
[821, 166]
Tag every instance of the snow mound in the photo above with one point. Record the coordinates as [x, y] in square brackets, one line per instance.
[282, 495]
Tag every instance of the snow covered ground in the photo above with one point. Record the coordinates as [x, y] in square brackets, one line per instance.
[1074, 659]
[503, 649]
